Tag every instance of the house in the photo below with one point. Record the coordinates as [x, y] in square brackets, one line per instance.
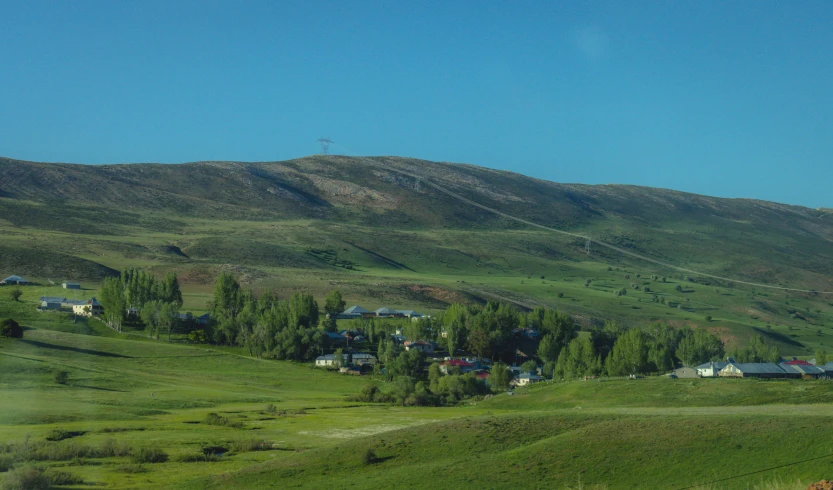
[525, 379]
[420, 345]
[358, 359]
[17, 280]
[409, 314]
[460, 365]
[336, 338]
[352, 312]
[807, 371]
[50, 304]
[88, 308]
[755, 370]
[387, 312]
[710, 369]
[363, 359]
[398, 339]
[70, 304]
[71, 285]
[686, 372]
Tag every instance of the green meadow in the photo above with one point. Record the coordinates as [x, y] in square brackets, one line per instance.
[281, 424]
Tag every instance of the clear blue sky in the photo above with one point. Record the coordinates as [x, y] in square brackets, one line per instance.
[723, 98]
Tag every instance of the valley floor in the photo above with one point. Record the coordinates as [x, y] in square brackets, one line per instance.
[287, 425]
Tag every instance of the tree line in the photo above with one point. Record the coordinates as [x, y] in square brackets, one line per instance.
[157, 301]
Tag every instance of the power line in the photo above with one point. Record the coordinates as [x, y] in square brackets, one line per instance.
[754, 472]
[635, 255]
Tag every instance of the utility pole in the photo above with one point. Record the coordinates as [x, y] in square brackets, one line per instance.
[587, 246]
[325, 144]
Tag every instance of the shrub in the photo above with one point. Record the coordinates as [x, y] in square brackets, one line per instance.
[216, 419]
[369, 457]
[248, 445]
[560, 295]
[112, 448]
[62, 378]
[708, 318]
[63, 478]
[198, 458]
[150, 455]
[15, 294]
[270, 409]
[27, 478]
[11, 329]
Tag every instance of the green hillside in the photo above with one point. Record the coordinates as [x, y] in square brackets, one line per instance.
[386, 239]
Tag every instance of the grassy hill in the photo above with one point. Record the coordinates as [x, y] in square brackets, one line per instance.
[385, 239]
[280, 424]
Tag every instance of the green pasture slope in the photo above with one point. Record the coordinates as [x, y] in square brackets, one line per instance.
[648, 433]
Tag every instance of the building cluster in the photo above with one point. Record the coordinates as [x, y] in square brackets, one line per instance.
[795, 369]
[91, 307]
[384, 312]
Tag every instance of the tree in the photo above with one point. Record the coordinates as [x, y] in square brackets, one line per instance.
[114, 301]
[62, 377]
[479, 343]
[529, 367]
[699, 346]
[757, 350]
[821, 357]
[434, 375]
[15, 294]
[500, 376]
[338, 358]
[303, 310]
[170, 290]
[548, 349]
[10, 329]
[578, 359]
[629, 354]
[151, 316]
[334, 304]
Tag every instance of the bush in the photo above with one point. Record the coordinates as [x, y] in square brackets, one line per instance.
[11, 329]
[63, 478]
[111, 448]
[249, 445]
[62, 378]
[708, 318]
[198, 458]
[150, 455]
[132, 468]
[60, 434]
[15, 294]
[216, 419]
[369, 457]
[270, 409]
[27, 478]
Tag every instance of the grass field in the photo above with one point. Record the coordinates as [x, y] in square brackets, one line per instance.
[649, 433]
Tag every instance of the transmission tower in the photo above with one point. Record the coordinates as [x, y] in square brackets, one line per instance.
[416, 185]
[325, 144]
[587, 245]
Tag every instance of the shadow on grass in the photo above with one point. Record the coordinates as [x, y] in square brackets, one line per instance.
[44, 345]
[779, 337]
[100, 388]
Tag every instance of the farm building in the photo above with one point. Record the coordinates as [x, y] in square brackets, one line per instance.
[14, 280]
[710, 369]
[755, 370]
[386, 312]
[329, 360]
[803, 370]
[88, 308]
[525, 379]
[71, 285]
[362, 359]
[352, 312]
[413, 315]
[686, 372]
[51, 303]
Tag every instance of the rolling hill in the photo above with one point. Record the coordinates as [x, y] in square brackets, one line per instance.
[384, 237]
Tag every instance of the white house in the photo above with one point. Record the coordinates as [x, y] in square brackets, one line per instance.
[527, 379]
[89, 308]
[710, 369]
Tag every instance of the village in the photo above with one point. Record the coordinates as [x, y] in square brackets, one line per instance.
[353, 354]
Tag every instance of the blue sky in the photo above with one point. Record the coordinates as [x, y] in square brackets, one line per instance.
[723, 98]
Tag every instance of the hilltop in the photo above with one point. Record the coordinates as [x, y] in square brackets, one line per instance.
[384, 237]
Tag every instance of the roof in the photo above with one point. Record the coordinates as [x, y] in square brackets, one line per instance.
[529, 376]
[457, 362]
[329, 357]
[72, 283]
[355, 310]
[416, 342]
[384, 311]
[52, 299]
[14, 279]
[408, 312]
[802, 368]
[336, 336]
[93, 302]
[759, 368]
[362, 355]
[796, 362]
[717, 365]
[73, 302]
